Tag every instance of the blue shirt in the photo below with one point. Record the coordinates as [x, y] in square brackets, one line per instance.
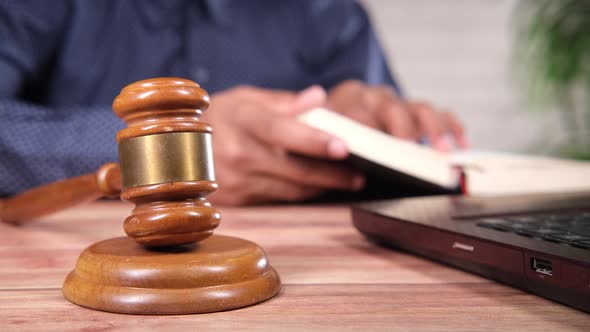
[62, 63]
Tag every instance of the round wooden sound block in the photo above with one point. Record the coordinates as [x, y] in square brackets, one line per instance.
[218, 273]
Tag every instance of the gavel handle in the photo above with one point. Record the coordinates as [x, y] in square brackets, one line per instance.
[60, 195]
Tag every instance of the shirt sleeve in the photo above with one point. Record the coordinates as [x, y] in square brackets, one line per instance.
[40, 144]
[340, 44]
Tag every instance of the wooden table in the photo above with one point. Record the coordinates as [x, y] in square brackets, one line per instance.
[333, 279]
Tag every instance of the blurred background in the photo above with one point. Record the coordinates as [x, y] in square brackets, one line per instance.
[460, 54]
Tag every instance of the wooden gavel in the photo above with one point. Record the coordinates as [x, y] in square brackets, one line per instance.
[166, 168]
[171, 262]
[57, 196]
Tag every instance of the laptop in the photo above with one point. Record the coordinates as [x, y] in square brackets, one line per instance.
[537, 243]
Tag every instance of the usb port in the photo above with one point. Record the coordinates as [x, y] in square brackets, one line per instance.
[542, 266]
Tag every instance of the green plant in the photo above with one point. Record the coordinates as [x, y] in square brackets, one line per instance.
[553, 59]
[554, 38]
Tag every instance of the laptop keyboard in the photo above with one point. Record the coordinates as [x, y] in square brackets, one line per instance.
[566, 228]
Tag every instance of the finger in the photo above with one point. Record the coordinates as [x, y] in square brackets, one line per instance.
[275, 100]
[430, 125]
[398, 121]
[262, 189]
[394, 115]
[347, 98]
[286, 132]
[315, 173]
[287, 101]
[456, 129]
[314, 96]
[272, 189]
[378, 94]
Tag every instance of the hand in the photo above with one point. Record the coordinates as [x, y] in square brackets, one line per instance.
[260, 148]
[379, 107]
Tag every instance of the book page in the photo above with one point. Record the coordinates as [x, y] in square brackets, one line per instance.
[370, 144]
[493, 173]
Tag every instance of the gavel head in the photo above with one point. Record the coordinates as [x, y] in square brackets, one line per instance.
[166, 162]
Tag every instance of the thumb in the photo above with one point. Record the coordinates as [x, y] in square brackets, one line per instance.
[311, 97]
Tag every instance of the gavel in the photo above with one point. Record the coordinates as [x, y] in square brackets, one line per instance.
[171, 263]
[32, 204]
[165, 155]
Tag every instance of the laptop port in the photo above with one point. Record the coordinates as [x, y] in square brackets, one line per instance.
[542, 266]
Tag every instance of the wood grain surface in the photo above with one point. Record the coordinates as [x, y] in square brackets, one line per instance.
[334, 280]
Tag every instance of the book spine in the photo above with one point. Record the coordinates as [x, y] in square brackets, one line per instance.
[463, 181]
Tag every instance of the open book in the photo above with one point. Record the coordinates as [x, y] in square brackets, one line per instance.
[423, 170]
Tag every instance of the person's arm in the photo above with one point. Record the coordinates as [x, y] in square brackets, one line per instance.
[38, 143]
[42, 144]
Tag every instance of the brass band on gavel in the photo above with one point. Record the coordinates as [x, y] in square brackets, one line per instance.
[169, 157]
